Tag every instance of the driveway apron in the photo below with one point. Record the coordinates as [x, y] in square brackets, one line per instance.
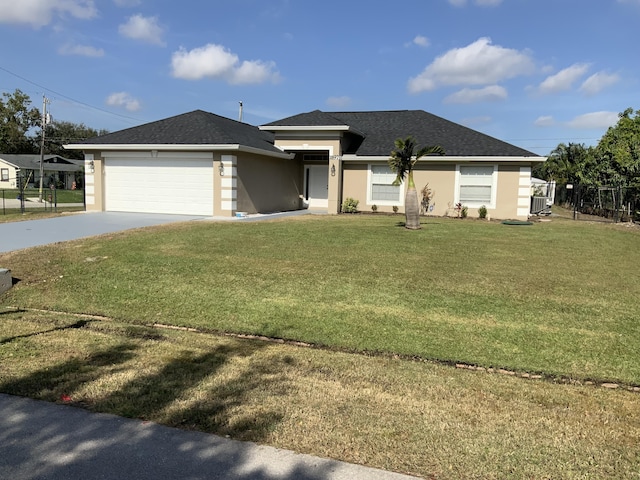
[33, 233]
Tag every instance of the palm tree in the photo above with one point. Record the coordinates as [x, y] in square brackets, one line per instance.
[401, 163]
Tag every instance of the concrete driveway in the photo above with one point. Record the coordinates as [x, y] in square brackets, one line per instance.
[32, 233]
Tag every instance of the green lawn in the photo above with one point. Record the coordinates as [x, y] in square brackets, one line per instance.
[61, 196]
[557, 298]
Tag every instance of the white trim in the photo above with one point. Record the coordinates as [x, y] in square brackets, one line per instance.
[89, 189]
[447, 159]
[306, 146]
[166, 154]
[177, 147]
[524, 201]
[524, 192]
[90, 200]
[494, 188]
[523, 212]
[370, 201]
[228, 182]
[305, 128]
[228, 205]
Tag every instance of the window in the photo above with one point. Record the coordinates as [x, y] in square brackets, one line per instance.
[4, 176]
[381, 191]
[477, 185]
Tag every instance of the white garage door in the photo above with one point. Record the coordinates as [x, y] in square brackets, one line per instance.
[175, 185]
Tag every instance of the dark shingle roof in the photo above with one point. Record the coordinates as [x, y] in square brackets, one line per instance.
[380, 129]
[51, 162]
[193, 128]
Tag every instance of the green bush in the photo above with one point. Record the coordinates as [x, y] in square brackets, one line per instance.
[395, 209]
[482, 212]
[374, 208]
[464, 211]
[350, 205]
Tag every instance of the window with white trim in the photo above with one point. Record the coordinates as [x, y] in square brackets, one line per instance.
[4, 175]
[381, 190]
[477, 185]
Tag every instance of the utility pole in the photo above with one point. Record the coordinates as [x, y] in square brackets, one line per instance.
[44, 121]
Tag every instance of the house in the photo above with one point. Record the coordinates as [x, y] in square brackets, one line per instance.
[205, 164]
[24, 170]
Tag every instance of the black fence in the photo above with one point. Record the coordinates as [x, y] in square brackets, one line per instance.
[605, 204]
[51, 200]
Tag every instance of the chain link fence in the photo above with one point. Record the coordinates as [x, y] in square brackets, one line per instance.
[605, 204]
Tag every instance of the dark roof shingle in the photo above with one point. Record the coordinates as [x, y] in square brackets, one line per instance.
[381, 128]
[192, 128]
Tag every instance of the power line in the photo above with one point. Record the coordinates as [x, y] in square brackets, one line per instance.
[69, 98]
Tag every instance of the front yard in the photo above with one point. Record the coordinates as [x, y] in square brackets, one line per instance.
[556, 299]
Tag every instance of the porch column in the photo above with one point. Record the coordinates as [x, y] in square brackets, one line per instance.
[335, 184]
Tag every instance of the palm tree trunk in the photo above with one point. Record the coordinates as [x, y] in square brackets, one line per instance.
[411, 205]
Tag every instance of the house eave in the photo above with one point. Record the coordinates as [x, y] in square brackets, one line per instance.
[449, 159]
[176, 147]
[305, 128]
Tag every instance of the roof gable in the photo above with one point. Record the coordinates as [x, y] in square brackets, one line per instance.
[193, 128]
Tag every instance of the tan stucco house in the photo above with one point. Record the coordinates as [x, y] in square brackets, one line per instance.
[204, 164]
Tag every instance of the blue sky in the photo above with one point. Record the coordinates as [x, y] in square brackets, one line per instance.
[531, 72]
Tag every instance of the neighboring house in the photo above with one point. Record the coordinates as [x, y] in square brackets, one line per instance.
[201, 163]
[60, 171]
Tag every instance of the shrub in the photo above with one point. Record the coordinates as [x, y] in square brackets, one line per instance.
[464, 211]
[482, 212]
[374, 208]
[350, 205]
[395, 209]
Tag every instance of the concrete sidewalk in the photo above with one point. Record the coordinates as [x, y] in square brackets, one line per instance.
[40, 440]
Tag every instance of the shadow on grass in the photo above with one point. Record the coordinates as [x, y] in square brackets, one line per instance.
[55, 441]
[78, 324]
[149, 397]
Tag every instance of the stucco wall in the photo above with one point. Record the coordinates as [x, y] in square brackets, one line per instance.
[268, 184]
[511, 180]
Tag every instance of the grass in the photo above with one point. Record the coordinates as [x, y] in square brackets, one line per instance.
[556, 298]
[15, 215]
[415, 417]
[61, 195]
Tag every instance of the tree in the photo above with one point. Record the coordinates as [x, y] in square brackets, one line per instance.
[17, 117]
[402, 162]
[572, 163]
[60, 133]
[619, 150]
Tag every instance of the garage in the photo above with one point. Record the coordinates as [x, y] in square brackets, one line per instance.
[159, 182]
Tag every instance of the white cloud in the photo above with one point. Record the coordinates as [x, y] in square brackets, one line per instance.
[145, 29]
[123, 99]
[598, 82]
[479, 63]
[421, 41]
[39, 13]
[594, 120]
[339, 102]
[564, 79]
[544, 121]
[215, 61]
[458, 3]
[127, 3]
[81, 50]
[491, 93]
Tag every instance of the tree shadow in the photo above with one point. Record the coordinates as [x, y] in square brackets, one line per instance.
[148, 397]
[50, 383]
[78, 324]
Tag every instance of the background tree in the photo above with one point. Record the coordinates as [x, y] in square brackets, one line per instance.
[17, 118]
[402, 162]
[59, 133]
[619, 150]
[572, 163]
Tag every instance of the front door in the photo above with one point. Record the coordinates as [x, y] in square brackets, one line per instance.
[316, 186]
